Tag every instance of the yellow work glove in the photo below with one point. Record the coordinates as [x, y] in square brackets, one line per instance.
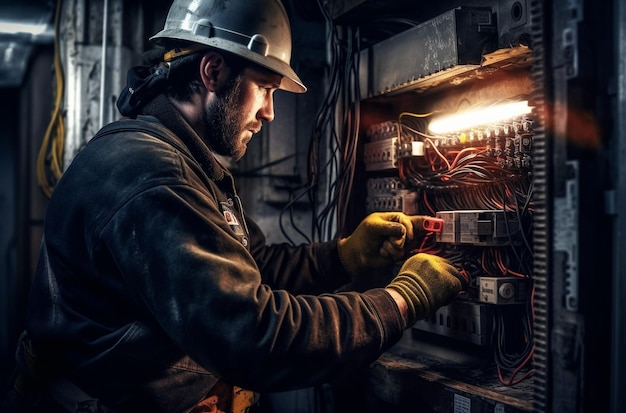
[378, 241]
[427, 282]
[418, 222]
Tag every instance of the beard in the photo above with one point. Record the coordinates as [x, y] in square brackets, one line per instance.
[223, 121]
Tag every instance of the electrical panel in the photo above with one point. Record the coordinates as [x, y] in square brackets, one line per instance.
[527, 200]
[453, 138]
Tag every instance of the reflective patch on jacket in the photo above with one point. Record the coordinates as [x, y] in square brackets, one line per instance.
[234, 220]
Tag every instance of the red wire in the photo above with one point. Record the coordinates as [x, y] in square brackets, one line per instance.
[511, 382]
[428, 205]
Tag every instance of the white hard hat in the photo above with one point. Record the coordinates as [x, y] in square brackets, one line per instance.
[257, 30]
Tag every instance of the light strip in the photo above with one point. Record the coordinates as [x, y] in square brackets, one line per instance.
[478, 116]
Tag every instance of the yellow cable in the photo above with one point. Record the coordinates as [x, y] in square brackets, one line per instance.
[53, 143]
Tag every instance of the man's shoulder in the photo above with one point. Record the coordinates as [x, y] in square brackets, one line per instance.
[136, 127]
[135, 137]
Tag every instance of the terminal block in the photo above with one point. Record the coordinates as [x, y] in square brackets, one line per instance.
[478, 227]
[400, 201]
[381, 155]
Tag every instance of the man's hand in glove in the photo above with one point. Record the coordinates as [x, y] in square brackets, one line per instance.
[419, 231]
[376, 243]
[426, 282]
[379, 241]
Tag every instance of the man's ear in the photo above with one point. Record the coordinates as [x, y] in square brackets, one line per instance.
[212, 70]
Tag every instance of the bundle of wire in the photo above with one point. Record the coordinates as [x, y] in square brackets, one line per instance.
[333, 145]
[462, 177]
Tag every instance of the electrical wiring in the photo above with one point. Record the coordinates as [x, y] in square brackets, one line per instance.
[523, 211]
[510, 356]
[346, 74]
[252, 173]
[292, 223]
[427, 245]
[438, 152]
[294, 198]
[351, 134]
[50, 156]
[455, 174]
[332, 153]
[319, 162]
[318, 166]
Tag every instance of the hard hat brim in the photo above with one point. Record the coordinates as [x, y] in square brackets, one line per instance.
[290, 80]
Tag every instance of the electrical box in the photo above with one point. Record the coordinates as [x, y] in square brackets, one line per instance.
[453, 39]
[525, 200]
[503, 290]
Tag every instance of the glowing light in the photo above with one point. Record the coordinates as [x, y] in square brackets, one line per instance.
[478, 116]
[7, 27]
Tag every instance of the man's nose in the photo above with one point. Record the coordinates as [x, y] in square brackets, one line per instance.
[266, 112]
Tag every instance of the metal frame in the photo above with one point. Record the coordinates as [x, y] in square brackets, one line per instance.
[618, 355]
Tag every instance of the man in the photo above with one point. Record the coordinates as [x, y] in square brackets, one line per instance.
[154, 292]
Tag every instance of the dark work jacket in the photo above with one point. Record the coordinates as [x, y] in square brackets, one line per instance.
[152, 283]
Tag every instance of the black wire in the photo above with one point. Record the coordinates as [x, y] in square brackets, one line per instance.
[253, 172]
[351, 129]
[340, 166]
[325, 121]
[508, 357]
[289, 207]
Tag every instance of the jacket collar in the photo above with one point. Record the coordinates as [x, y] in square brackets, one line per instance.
[162, 109]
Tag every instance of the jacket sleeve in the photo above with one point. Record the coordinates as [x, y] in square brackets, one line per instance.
[205, 290]
[305, 269]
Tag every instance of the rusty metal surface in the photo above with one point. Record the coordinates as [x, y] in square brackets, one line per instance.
[456, 39]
